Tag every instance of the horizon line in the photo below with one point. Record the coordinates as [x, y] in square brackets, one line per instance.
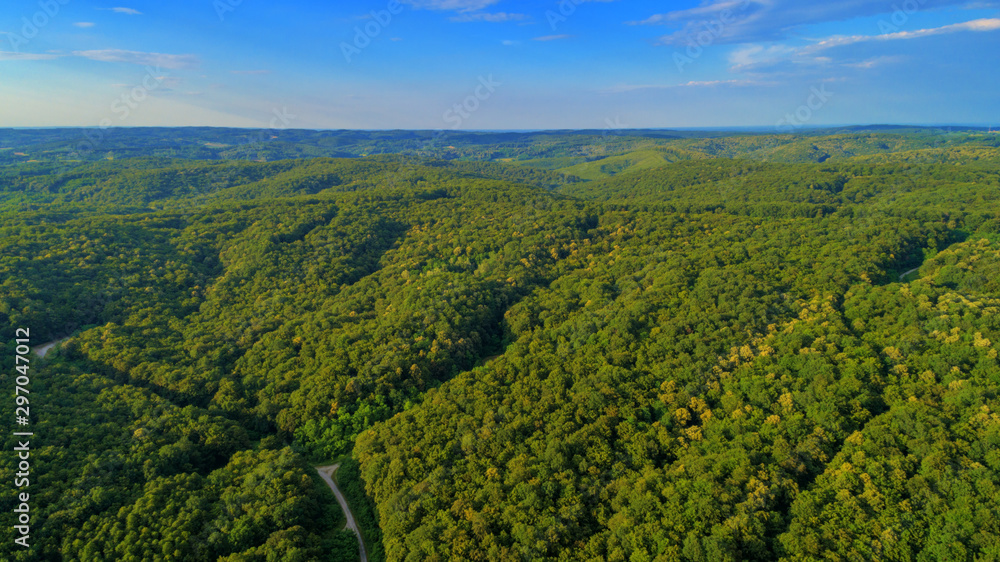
[543, 130]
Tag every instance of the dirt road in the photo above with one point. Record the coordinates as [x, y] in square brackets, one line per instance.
[327, 473]
[41, 350]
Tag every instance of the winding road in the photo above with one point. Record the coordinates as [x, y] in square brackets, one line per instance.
[327, 473]
[43, 349]
[908, 272]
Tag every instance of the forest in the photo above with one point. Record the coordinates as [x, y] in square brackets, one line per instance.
[627, 346]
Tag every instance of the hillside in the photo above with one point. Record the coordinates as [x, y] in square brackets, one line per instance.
[693, 349]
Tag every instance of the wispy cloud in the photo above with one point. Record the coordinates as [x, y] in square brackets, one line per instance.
[552, 37]
[714, 83]
[8, 55]
[136, 57]
[875, 61]
[498, 17]
[158, 60]
[980, 25]
[84, 24]
[128, 11]
[509, 42]
[749, 55]
[745, 21]
[708, 10]
[756, 58]
[166, 84]
[625, 88]
[451, 5]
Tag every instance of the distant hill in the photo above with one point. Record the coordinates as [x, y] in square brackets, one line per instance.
[71, 146]
[518, 346]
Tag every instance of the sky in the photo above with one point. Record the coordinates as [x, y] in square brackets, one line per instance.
[499, 64]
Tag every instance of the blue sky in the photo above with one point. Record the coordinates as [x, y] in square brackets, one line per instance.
[499, 64]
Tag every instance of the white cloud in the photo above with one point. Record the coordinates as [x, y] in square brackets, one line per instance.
[752, 58]
[84, 24]
[874, 62]
[755, 54]
[624, 88]
[136, 57]
[128, 11]
[552, 37]
[980, 25]
[9, 55]
[744, 21]
[498, 17]
[708, 10]
[510, 43]
[713, 83]
[451, 5]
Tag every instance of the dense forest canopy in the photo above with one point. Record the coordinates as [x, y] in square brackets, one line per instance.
[629, 345]
[545, 149]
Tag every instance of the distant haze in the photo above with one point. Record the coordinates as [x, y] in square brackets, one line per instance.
[499, 64]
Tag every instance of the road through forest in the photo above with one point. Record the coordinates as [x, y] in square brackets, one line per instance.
[327, 473]
[41, 350]
[324, 471]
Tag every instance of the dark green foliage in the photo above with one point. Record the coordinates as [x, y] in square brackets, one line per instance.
[712, 359]
[364, 509]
